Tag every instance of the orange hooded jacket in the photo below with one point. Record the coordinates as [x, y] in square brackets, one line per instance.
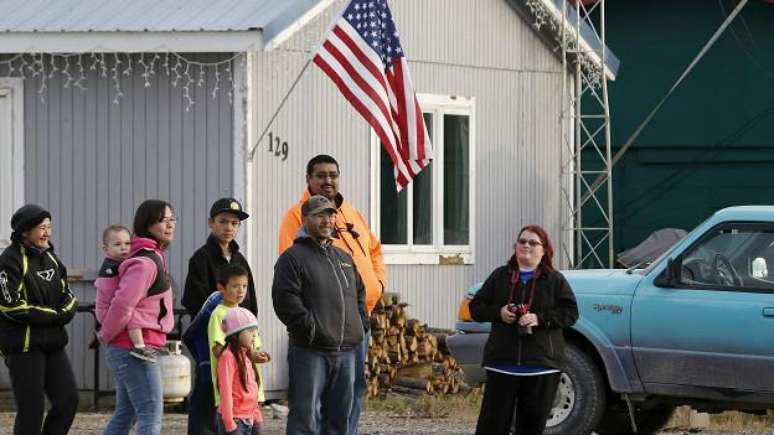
[365, 249]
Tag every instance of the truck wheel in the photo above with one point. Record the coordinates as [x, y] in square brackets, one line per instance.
[649, 419]
[580, 399]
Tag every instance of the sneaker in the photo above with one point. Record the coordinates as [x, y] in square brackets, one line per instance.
[144, 354]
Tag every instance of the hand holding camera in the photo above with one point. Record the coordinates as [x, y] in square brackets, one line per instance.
[526, 319]
[507, 315]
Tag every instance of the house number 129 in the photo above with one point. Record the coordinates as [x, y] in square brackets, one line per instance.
[278, 147]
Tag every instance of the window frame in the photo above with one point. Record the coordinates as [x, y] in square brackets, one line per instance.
[709, 234]
[13, 88]
[436, 253]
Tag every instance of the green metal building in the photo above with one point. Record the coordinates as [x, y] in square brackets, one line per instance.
[712, 143]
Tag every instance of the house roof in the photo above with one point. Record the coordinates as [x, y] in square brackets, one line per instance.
[103, 25]
[197, 25]
[136, 15]
[589, 42]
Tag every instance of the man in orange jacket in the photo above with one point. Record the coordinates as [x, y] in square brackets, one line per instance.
[353, 236]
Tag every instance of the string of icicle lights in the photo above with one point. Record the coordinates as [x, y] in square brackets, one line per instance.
[73, 69]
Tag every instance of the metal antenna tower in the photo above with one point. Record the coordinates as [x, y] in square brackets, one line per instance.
[587, 222]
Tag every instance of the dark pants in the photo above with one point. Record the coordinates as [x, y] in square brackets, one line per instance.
[34, 374]
[319, 391]
[532, 396]
[358, 392]
[201, 412]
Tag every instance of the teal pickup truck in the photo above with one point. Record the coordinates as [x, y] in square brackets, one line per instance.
[695, 327]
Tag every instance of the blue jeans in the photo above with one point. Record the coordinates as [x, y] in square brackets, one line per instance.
[138, 394]
[319, 391]
[243, 427]
[361, 354]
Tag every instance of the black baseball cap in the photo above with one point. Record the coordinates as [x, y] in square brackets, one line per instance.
[228, 205]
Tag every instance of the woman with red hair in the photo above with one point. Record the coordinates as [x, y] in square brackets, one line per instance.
[529, 304]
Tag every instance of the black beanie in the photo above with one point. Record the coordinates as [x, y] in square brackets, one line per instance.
[26, 218]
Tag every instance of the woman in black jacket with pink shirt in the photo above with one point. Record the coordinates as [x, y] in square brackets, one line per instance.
[529, 304]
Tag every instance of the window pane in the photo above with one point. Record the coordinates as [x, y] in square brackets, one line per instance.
[394, 211]
[423, 198]
[456, 179]
[732, 257]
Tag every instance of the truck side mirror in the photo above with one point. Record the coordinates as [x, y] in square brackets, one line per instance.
[675, 270]
[670, 277]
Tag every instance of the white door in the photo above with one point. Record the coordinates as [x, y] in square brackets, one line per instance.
[11, 154]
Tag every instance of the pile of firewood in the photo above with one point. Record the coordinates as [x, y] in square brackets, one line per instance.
[406, 356]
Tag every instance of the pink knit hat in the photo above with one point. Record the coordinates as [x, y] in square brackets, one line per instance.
[237, 320]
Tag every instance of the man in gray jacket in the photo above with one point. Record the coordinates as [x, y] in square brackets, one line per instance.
[318, 295]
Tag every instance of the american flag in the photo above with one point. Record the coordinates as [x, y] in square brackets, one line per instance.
[363, 56]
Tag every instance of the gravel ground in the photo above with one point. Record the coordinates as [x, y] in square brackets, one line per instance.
[373, 423]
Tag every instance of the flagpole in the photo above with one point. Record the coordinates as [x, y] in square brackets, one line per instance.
[314, 50]
[251, 154]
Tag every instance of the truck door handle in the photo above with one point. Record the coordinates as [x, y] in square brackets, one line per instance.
[768, 312]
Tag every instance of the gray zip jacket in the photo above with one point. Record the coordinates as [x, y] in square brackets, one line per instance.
[318, 295]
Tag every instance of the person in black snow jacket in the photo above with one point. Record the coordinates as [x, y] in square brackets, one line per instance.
[35, 306]
[529, 304]
[319, 296]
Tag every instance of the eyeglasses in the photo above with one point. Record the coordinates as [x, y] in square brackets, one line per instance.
[169, 221]
[325, 175]
[531, 243]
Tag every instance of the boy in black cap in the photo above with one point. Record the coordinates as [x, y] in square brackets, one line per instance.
[226, 216]
[36, 304]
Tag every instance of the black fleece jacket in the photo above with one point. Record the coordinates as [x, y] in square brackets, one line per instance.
[318, 295]
[554, 304]
[202, 273]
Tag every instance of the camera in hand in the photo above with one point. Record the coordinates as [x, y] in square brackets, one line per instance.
[520, 309]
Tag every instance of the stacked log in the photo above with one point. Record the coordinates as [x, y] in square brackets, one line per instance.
[406, 356]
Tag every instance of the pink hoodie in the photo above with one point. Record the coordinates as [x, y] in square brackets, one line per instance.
[132, 305]
[105, 286]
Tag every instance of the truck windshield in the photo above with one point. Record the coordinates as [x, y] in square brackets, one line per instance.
[668, 252]
[658, 260]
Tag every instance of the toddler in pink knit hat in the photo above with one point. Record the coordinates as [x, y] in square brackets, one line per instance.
[238, 379]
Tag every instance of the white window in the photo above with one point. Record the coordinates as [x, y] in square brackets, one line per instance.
[432, 221]
[11, 153]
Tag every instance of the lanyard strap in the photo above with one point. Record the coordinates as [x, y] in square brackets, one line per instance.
[516, 283]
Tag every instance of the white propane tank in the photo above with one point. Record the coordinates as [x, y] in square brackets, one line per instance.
[175, 373]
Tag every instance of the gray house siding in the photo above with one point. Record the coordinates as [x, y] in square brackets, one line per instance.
[91, 162]
[517, 180]
[474, 48]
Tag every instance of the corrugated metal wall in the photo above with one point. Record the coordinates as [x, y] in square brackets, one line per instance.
[475, 48]
[91, 162]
